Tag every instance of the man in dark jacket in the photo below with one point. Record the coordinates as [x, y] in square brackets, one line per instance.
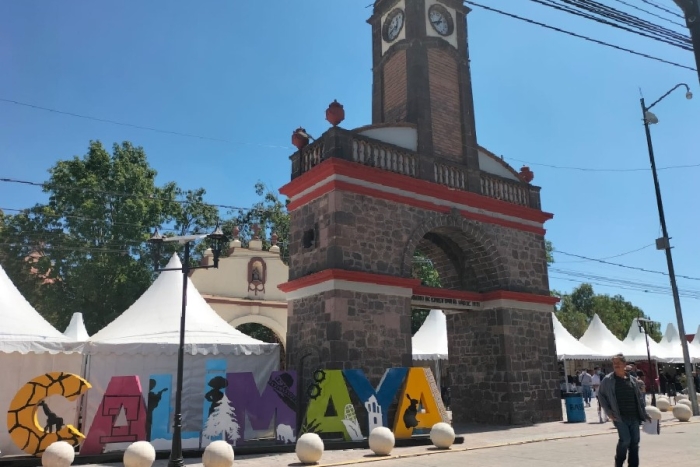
[624, 403]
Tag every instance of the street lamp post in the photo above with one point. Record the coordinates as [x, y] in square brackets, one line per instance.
[642, 327]
[217, 239]
[664, 242]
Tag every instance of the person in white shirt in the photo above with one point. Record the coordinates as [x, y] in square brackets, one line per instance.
[586, 380]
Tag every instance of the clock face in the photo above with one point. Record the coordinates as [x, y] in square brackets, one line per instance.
[393, 25]
[441, 20]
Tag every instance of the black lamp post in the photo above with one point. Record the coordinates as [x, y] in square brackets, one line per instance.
[218, 239]
[642, 327]
[664, 243]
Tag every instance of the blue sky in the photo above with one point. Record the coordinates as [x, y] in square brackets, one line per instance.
[249, 73]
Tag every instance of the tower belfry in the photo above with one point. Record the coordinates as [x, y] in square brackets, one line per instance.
[421, 75]
[368, 205]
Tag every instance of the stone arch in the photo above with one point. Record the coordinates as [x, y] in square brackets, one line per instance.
[465, 256]
[279, 330]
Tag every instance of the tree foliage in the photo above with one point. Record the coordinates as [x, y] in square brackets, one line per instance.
[576, 310]
[89, 239]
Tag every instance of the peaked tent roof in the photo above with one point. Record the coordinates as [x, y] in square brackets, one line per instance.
[430, 341]
[636, 341]
[672, 349]
[22, 328]
[599, 338]
[76, 329]
[568, 348]
[152, 324]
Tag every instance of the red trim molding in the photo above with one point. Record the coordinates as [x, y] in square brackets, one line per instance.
[334, 166]
[414, 284]
[350, 276]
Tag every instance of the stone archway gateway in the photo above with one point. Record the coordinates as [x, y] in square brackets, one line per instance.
[363, 201]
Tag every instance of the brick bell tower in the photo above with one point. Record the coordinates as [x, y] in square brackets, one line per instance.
[363, 202]
[421, 74]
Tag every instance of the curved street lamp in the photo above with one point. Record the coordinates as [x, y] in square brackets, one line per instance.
[664, 243]
[218, 240]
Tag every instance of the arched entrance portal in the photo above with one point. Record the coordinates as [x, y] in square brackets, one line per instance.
[263, 330]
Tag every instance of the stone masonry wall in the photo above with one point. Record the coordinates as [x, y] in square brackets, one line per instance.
[503, 367]
[351, 330]
[361, 233]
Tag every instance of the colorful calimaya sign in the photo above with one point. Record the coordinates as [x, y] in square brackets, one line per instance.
[230, 399]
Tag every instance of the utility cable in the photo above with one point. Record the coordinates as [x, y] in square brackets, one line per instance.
[649, 12]
[649, 2]
[580, 36]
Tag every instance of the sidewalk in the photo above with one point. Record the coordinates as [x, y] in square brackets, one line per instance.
[477, 438]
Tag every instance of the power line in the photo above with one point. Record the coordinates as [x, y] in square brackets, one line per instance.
[580, 36]
[638, 26]
[593, 169]
[140, 127]
[649, 12]
[623, 265]
[649, 2]
[609, 257]
[116, 194]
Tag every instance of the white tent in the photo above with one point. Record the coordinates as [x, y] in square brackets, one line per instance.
[430, 341]
[671, 346]
[694, 346]
[568, 348]
[636, 342]
[30, 347]
[76, 329]
[144, 341]
[599, 338]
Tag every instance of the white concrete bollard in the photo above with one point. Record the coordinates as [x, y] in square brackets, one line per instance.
[58, 454]
[309, 448]
[218, 454]
[686, 402]
[139, 454]
[682, 412]
[381, 441]
[663, 404]
[442, 435]
[654, 412]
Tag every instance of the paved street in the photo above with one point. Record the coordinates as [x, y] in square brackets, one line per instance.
[557, 443]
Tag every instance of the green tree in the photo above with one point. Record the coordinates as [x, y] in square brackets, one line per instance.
[576, 310]
[90, 237]
[549, 251]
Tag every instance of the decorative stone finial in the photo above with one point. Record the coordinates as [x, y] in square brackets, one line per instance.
[335, 113]
[274, 248]
[526, 175]
[236, 232]
[256, 231]
[299, 138]
[236, 242]
[274, 238]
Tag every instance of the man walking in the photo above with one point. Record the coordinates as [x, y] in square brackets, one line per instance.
[586, 380]
[624, 403]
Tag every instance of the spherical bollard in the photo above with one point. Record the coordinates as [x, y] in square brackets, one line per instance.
[381, 441]
[58, 454]
[442, 435]
[139, 454]
[654, 412]
[309, 448]
[686, 402]
[681, 397]
[663, 404]
[218, 454]
[682, 412]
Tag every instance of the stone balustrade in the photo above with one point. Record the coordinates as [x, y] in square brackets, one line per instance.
[346, 145]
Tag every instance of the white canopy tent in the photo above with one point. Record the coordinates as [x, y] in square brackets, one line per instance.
[429, 343]
[30, 347]
[636, 342]
[695, 345]
[144, 341]
[569, 348]
[671, 347]
[599, 338]
[76, 329]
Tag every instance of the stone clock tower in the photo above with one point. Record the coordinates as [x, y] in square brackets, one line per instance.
[368, 205]
[421, 75]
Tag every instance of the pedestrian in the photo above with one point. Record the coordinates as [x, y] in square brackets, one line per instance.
[624, 404]
[586, 380]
